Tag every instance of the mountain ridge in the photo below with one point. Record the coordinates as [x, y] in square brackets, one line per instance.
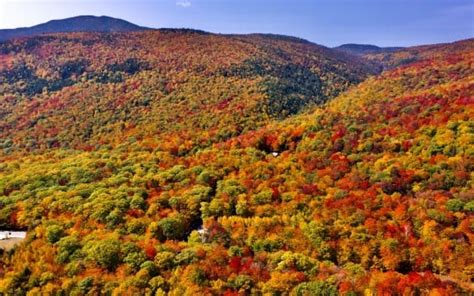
[82, 23]
[361, 49]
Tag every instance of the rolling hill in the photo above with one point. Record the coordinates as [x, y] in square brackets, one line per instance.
[84, 23]
[86, 89]
[391, 57]
[179, 162]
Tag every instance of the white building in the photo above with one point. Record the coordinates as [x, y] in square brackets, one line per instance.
[12, 234]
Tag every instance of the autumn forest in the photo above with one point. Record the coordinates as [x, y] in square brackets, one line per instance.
[180, 162]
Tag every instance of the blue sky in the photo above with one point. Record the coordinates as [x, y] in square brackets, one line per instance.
[327, 22]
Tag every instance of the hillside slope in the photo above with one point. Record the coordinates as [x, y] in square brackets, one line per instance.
[389, 58]
[81, 90]
[84, 23]
[370, 194]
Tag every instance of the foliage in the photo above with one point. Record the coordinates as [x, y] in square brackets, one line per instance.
[173, 180]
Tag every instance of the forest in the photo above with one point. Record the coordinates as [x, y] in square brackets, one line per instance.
[177, 162]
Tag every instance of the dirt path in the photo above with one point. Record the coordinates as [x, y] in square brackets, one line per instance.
[8, 244]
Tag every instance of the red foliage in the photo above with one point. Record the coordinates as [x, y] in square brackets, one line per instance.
[246, 264]
[13, 219]
[224, 103]
[275, 193]
[150, 251]
[310, 189]
[406, 145]
[135, 213]
[235, 264]
[338, 133]
[345, 286]
[271, 142]
[231, 293]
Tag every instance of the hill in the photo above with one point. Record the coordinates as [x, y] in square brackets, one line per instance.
[81, 90]
[362, 49]
[400, 57]
[387, 58]
[369, 192]
[75, 24]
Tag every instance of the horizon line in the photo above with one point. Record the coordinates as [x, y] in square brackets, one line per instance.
[222, 33]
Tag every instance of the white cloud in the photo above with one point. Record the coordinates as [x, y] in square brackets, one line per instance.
[183, 3]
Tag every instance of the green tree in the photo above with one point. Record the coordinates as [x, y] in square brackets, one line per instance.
[54, 233]
[173, 228]
[105, 253]
[315, 289]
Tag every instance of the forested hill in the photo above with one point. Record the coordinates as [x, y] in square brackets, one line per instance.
[84, 23]
[392, 57]
[362, 49]
[81, 90]
[181, 163]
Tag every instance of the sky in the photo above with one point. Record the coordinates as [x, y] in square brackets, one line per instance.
[326, 22]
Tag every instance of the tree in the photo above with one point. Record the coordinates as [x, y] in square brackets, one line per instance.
[173, 228]
[315, 289]
[105, 253]
[67, 247]
[455, 205]
[54, 233]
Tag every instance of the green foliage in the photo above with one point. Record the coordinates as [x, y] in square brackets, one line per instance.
[316, 233]
[264, 197]
[289, 87]
[72, 68]
[266, 245]
[199, 277]
[164, 260]
[68, 248]
[105, 253]
[150, 267]
[130, 66]
[315, 289]
[300, 262]
[134, 260]
[158, 282]
[469, 206]
[136, 227]
[138, 203]
[242, 283]
[455, 205]
[85, 285]
[230, 187]
[186, 256]
[173, 228]
[54, 233]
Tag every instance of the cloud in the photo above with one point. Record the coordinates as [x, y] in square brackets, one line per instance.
[183, 3]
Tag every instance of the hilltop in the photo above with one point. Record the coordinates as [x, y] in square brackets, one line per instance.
[85, 23]
[362, 49]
